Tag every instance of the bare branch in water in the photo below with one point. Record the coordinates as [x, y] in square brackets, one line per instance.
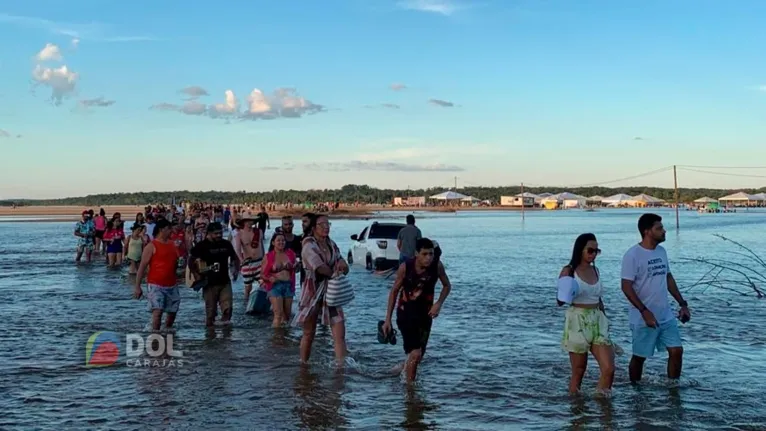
[748, 250]
[749, 277]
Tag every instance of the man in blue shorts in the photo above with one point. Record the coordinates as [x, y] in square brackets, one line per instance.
[646, 281]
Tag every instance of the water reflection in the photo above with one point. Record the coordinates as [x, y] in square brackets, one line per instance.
[583, 414]
[606, 405]
[415, 407]
[319, 407]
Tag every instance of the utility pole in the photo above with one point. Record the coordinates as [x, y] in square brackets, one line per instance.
[455, 184]
[675, 185]
[522, 201]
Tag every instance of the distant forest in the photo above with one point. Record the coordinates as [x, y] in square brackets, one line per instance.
[356, 193]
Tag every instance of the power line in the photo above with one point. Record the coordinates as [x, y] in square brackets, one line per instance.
[666, 168]
[644, 174]
[723, 173]
[722, 167]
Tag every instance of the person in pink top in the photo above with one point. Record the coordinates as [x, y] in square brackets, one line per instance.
[100, 223]
[278, 279]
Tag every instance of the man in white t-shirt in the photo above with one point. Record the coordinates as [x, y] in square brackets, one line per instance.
[646, 281]
[150, 226]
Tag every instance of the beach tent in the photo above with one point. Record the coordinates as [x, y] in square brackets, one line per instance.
[528, 195]
[545, 195]
[469, 201]
[596, 198]
[448, 196]
[760, 196]
[740, 197]
[705, 200]
[618, 199]
[644, 200]
[537, 199]
[571, 200]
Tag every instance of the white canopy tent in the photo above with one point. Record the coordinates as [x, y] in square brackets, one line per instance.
[740, 197]
[470, 199]
[618, 199]
[644, 199]
[527, 195]
[449, 195]
[705, 200]
[571, 200]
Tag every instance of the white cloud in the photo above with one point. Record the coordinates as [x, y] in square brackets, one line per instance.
[398, 86]
[227, 109]
[258, 103]
[165, 107]
[6, 134]
[193, 108]
[411, 150]
[761, 88]
[98, 102]
[49, 52]
[194, 91]
[75, 43]
[358, 165]
[61, 81]
[441, 7]
[92, 31]
[442, 103]
[383, 105]
[284, 102]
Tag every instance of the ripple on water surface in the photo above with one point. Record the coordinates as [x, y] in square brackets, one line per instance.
[493, 361]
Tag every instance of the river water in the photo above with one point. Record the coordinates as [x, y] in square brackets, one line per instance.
[493, 362]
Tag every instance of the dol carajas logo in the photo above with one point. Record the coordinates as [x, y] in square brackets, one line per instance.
[102, 349]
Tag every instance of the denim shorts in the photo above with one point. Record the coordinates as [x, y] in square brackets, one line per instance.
[162, 298]
[646, 340]
[281, 289]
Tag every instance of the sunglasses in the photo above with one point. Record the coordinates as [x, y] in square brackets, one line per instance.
[590, 250]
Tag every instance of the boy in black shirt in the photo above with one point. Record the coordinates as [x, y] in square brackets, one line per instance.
[213, 253]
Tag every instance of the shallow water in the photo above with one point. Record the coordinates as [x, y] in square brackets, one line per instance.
[493, 362]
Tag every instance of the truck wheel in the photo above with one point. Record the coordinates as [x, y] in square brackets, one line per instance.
[368, 265]
[350, 259]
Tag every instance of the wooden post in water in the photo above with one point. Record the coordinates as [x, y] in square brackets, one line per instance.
[522, 201]
[675, 186]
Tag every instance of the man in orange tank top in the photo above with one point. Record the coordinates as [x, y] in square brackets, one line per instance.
[161, 255]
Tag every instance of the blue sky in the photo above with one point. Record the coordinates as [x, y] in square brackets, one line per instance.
[381, 92]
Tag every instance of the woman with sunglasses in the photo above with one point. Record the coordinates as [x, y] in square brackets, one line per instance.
[586, 328]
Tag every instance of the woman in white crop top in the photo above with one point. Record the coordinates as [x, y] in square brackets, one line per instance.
[586, 328]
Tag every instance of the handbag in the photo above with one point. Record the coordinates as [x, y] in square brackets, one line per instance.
[259, 303]
[339, 291]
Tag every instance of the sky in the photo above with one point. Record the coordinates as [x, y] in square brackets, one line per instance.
[101, 96]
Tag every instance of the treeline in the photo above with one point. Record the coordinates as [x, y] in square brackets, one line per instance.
[356, 193]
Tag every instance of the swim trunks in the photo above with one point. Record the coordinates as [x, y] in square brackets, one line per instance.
[251, 270]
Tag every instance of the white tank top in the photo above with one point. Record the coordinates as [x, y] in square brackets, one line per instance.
[588, 293]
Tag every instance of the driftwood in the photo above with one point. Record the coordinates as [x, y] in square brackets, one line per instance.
[744, 277]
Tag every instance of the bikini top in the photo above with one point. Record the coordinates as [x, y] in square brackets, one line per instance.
[588, 293]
